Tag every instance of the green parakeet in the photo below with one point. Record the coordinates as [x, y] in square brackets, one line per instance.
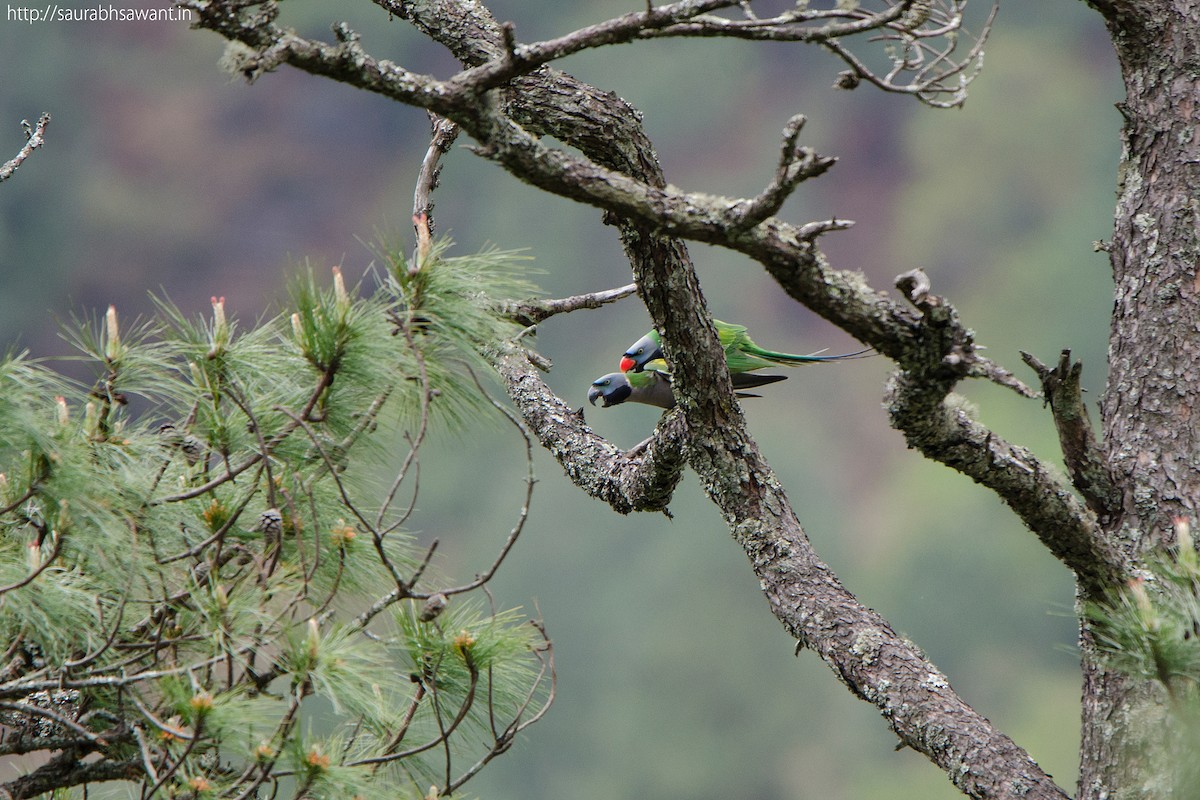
[652, 386]
[741, 353]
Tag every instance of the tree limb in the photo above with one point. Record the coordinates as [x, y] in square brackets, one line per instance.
[444, 132]
[532, 311]
[1084, 460]
[943, 430]
[35, 137]
[935, 421]
[866, 654]
[640, 479]
[66, 770]
[620, 174]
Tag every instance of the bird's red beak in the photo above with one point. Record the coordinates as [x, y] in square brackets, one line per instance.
[627, 364]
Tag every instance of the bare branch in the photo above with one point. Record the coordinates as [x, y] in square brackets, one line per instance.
[444, 134]
[524, 59]
[91, 738]
[933, 73]
[65, 770]
[920, 403]
[943, 430]
[796, 164]
[875, 663]
[798, 24]
[35, 137]
[532, 311]
[1083, 457]
[640, 479]
[921, 40]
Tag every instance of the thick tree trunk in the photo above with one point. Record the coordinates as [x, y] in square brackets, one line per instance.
[1151, 442]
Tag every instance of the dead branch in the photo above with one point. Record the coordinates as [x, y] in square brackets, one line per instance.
[35, 137]
[1084, 460]
[640, 479]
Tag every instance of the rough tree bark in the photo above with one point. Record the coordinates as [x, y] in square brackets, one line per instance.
[1123, 490]
[1151, 445]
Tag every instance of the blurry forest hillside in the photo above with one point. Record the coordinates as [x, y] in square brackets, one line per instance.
[161, 173]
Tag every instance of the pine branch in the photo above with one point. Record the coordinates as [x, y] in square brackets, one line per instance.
[640, 479]
[920, 403]
[229, 607]
[1082, 454]
[618, 172]
[65, 771]
[35, 137]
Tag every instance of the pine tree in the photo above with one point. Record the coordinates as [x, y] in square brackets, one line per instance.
[199, 593]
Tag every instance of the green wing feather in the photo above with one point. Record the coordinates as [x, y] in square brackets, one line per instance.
[742, 354]
[658, 367]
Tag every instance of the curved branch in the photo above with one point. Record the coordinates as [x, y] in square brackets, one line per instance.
[35, 137]
[39, 569]
[874, 662]
[532, 311]
[640, 479]
[522, 516]
[934, 421]
[619, 173]
[443, 134]
[942, 430]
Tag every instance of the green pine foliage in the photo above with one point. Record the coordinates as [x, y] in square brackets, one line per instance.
[450, 315]
[1151, 632]
[196, 593]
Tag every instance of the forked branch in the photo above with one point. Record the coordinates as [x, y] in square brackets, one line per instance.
[35, 137]
[618, 172]
[1084, 460]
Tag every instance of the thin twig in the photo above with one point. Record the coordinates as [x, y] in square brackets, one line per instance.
[530, 481]
[35, 137]
[417, 440]
[54, 551]
[532, 311]
[443, 135]
[505, 739]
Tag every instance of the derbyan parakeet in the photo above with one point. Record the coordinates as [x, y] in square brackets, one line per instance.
[741, 353]
[652, 386]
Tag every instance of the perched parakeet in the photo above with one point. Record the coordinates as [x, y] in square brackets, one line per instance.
[652, 386]
[741, 353]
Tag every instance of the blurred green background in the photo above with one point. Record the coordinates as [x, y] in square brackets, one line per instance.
[161, 173]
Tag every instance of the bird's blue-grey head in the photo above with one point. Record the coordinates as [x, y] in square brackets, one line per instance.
[613, 389]
[644, 350]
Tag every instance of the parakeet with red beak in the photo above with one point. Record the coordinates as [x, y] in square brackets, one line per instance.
[741, 353]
